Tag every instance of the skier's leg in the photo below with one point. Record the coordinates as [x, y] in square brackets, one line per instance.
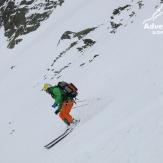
[68, 110]
[65, 112]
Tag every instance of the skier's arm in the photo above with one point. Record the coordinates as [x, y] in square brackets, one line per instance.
[58, 96]
[58, 99]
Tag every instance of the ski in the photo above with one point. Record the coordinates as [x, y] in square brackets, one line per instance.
[59, 138]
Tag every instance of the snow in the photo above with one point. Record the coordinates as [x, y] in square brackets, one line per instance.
[122, 91]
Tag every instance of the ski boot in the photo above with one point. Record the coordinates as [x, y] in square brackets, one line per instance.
[74, 123]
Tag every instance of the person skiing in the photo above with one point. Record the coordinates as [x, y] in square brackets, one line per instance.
[64, 95]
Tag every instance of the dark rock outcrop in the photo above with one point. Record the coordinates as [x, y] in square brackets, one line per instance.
[22, 18]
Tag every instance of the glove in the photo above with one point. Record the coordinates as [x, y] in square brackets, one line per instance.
[54, 105]
[57, 111]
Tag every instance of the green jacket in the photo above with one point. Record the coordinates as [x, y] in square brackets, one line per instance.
[57, 94]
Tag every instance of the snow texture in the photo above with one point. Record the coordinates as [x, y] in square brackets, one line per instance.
[120, 102]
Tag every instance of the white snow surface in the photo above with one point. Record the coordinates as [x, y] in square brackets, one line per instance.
[121, 91]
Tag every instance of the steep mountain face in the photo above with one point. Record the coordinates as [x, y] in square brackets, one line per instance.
[79, 42]
[21, 18]
[118, 19]
[100, 46]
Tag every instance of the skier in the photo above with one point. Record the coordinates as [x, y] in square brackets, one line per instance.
[64, 95]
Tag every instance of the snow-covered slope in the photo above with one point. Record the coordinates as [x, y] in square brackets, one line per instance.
[102, 47]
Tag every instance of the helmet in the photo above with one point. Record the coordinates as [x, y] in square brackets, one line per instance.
[46, 86]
